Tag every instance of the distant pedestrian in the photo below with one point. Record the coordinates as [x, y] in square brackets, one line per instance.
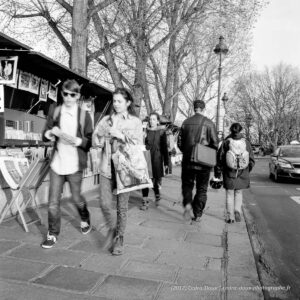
[112, 133]
[71, 130]
[235, 160]
[171, 147]
[190, 130]
[156, 142]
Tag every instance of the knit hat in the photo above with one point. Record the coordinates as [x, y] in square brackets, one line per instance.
[199, 104]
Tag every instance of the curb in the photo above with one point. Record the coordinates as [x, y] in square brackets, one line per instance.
[266, 276]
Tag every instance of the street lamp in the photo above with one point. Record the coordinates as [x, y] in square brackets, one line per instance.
[224, 100]
[220, 49]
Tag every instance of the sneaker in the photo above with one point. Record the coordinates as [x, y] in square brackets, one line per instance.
[85, 227]
[237, 216]
[118, 248]
[229, 221]
[49, 242]
[196, 219]
[145, 205]
[187, 214]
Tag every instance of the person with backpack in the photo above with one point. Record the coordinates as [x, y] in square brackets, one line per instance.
[235, 161]
[70, 128]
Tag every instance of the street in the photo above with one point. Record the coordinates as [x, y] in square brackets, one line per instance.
[275, 209]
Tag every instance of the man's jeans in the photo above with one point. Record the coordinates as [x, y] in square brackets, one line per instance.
[234, 200]
[55, 190]
[188, 178]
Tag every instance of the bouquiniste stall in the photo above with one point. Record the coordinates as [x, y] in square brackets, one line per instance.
[30, 86]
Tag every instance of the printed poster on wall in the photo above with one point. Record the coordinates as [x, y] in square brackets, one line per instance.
[1, 98]
[8, 69]
[43, 90]
[15, 84]
[24, 81]
[52, 93]
[34, 84]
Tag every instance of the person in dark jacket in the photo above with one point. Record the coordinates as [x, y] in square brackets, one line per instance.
[156, 142]
[195, 129]
[71, 144]
[234, 180]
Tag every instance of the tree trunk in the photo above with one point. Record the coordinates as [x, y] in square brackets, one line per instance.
[79, 36]
[167, 109]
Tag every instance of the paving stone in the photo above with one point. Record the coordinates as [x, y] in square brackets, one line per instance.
[179, 259]
[126, 288]
[180, 292]
[8, 245]
[149, 271]
[52, 256]
[17, 269]
[105, 263]
[168, 225]
[199, 278]
[156, 232]
[244, 286]
[203, 238]
[17, 291]
[173, 246]
[71, 279]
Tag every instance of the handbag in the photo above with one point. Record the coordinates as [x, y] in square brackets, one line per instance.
[202, 154]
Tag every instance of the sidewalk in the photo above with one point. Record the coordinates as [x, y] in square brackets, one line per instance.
[165, 257]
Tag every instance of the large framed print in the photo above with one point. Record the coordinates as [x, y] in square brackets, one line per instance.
[8, 69]
[43, 90]
[10, 172]
[52, 93]
[24, 81]
[1, 98]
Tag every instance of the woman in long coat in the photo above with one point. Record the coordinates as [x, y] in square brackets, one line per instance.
[156, 142]
[234, 180]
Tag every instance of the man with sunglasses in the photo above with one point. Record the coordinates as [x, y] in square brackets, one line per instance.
[71, 144]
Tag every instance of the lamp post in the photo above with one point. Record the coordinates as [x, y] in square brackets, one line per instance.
[220, 49]
[224, 100]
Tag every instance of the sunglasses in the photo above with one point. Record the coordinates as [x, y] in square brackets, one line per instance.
[72, 95]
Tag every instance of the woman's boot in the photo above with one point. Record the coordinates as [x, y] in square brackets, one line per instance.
[157, 199]
[118, 248]
[145, 204]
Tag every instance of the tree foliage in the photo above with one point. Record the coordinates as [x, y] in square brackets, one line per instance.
[162, 50]
[271, 98]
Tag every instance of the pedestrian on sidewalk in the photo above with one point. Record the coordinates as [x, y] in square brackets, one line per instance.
[112, 133]
[193, 127]
[71, 130]
[235, 160]
[156, 142]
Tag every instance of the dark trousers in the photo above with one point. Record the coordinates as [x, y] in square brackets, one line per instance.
[56, 185]
[188, 178]
[156, 184]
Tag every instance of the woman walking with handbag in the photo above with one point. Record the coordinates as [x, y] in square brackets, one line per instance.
[156, 142]
[112, 132]
[235, 160]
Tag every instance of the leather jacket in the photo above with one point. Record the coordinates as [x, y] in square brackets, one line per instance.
[189, 136]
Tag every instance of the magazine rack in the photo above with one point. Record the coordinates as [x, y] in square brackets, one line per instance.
[31, 181]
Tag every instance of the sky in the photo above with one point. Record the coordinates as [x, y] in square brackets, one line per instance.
[277, 34]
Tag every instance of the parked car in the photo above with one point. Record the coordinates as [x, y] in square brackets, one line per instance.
[285, 162]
